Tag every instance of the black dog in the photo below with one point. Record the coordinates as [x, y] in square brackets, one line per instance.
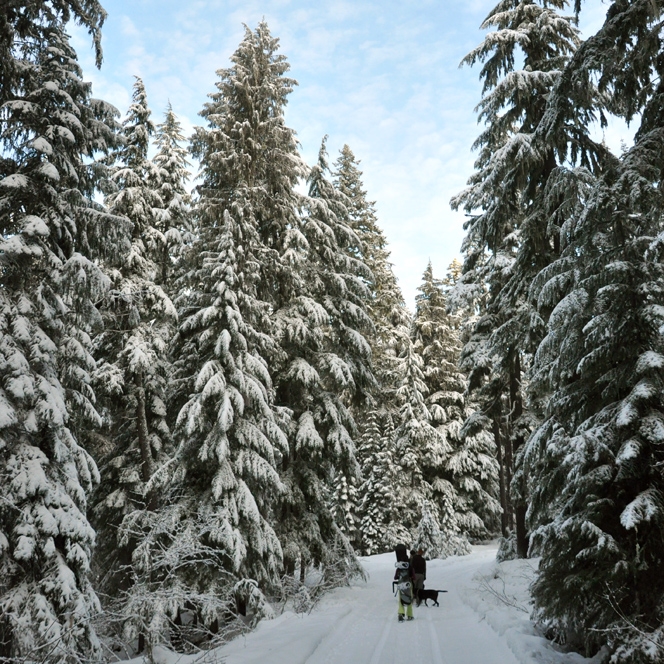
[424, 594]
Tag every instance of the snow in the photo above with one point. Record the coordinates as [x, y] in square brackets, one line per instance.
[42, 145]
[483, 618]
[16, 180]
[643, 508]
[50, 171]
[33, 225]
[499, 595]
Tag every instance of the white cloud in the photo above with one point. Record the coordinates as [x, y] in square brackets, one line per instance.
[381, 76]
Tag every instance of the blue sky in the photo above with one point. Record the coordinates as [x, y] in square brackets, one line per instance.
[382, 76]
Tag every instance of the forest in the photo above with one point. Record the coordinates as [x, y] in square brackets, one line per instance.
[212, 388]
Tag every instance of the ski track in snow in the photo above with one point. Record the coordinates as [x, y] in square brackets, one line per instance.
[358, 625]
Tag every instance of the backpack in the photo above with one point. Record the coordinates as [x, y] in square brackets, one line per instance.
[402, 552]
[404, 586]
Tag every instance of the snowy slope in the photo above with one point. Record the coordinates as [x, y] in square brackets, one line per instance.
[474, 623]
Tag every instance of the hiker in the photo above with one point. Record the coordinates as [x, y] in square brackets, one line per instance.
[419, 567]
[403, 578]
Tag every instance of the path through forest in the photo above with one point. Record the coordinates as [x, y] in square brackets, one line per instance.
[359, 625]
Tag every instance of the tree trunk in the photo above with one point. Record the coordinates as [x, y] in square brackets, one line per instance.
[147, 466]
[509, 467]
[501, 474]
[522, 538]
[519, 501]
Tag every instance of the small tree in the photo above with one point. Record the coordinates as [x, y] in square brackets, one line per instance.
[428, 536]
[377, 489]
[344, 507]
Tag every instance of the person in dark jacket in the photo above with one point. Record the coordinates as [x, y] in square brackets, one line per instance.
[419, 567]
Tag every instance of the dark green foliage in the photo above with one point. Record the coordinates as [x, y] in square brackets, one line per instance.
[593, 466]
[132, 364]
[51, 132]
[464, 473]
[510, 235]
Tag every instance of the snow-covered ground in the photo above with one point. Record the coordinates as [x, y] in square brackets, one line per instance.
[482, 619]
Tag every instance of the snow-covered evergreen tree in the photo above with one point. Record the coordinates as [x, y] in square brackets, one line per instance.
[418, 448]
[50, 134]
[171, 175]
[230, 432]
[388, 313]
[386, 304]
[344, 507]
[428, 536]
[418, 444]
[133, 366]
[327, 364]
[251, 157]
[509, 237]
[376, 493]
[469, 470]
[594, 465]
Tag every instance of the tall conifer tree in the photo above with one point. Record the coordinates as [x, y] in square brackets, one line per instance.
[133, 367]
[509, 237]
[386, 305]
[466, 476]
[388, 312]
[595, 462]
[329, 363]
[230, 430]
[50, 134]
[170, 181]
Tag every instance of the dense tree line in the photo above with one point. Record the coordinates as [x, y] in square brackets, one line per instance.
[201, 392]
[563, 268]
[205, 394]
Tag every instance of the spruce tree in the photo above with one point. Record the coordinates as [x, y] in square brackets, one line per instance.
[510, 235]
[328, 363]
[231, 434]
[252, 156]
[468, 472]
[594, 462]
[50, 136]
[428, 536]
[418, 444]
[344, 507]
[388, 313]
[170, 179]
[225, 482]
[386, 304]
[376, 493]
[133, 366]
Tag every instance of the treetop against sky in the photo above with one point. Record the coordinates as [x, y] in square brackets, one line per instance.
[382, 76]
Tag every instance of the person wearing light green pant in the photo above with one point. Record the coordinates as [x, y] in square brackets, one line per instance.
[404, 583]
[406, 603]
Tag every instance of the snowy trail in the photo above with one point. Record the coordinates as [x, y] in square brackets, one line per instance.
[359, 625]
